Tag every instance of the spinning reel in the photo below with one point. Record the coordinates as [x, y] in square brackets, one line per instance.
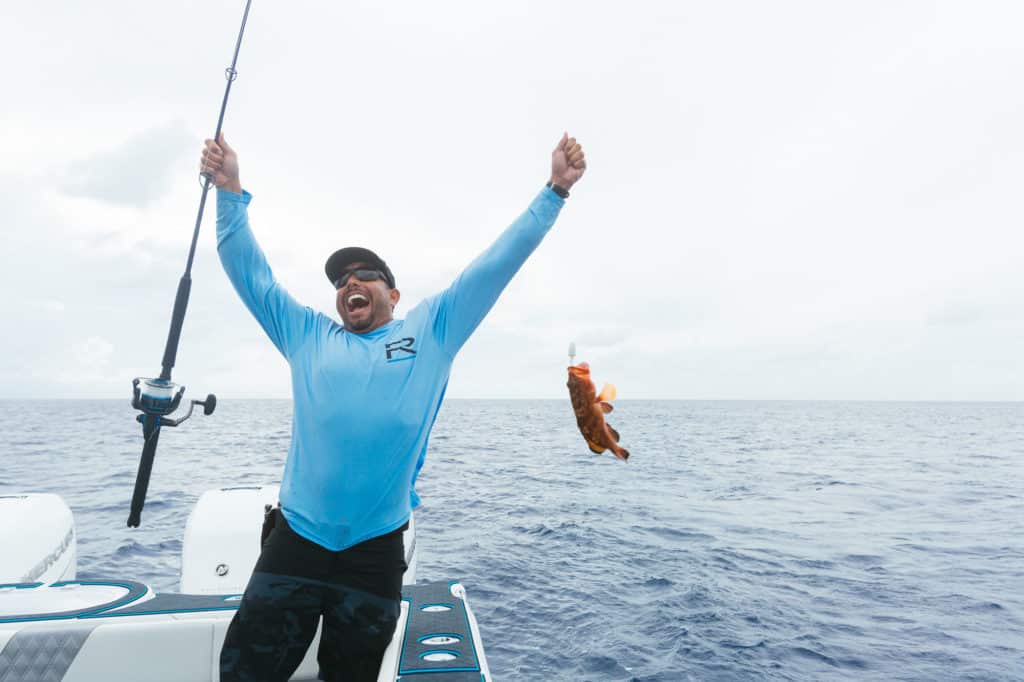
[159, 398]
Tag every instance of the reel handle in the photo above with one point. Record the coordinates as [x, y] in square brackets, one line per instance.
[209, 405]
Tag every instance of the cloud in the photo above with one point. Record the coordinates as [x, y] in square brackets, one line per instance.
[92, 353]
[47, 305]
[136, 172]
[607, 336]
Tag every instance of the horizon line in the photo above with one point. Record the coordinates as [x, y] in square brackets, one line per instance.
[618, 400]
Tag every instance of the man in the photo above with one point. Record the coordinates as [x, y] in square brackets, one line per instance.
[365, 395]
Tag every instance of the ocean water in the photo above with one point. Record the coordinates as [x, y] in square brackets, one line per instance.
[741, 541]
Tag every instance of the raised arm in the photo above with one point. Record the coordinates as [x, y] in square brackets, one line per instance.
[284, 320]
[463, 305]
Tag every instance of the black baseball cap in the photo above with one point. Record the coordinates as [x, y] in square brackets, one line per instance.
[342, 258]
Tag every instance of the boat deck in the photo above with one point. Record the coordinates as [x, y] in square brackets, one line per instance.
[438, 644]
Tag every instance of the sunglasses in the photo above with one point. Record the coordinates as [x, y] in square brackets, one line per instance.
[361, 275]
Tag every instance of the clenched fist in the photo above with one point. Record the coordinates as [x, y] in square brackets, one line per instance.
[567, 162]
[220, 163]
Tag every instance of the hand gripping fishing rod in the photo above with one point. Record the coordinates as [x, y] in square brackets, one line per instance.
[158, 398]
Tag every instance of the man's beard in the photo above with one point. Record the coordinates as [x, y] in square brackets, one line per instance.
[365, 323]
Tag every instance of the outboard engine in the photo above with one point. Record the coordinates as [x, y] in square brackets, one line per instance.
[222, 540]
[38, 537]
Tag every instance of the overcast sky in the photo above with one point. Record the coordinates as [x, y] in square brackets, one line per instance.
[792, 200]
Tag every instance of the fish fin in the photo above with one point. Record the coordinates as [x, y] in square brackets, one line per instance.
[606, 407]
[615, 434]
[607, 393]
[596, 449]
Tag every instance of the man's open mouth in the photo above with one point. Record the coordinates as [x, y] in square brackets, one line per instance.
[356, 302]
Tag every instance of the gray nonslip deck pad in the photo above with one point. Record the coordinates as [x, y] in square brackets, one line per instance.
[41, 656]
[438, 645]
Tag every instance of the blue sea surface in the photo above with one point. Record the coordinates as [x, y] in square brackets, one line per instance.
[741, 541]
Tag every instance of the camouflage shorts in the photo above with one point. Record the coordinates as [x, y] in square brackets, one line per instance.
[294, 584]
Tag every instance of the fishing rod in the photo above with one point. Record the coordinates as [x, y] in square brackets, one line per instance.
[158, 398]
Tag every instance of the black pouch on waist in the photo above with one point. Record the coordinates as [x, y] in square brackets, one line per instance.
[269, 521]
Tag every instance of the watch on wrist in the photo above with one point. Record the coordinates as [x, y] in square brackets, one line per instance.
[559, 190]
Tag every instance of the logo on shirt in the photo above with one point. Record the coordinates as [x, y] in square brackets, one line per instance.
[401, 349]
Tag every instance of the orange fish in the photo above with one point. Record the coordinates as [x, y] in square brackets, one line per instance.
[590, 409]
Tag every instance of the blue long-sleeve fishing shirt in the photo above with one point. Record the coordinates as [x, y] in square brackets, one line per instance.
[364, 404]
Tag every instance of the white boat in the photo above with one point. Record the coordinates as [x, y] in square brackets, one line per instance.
[56, 628]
